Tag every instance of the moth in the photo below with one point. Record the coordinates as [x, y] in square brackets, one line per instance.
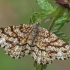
[33, 40]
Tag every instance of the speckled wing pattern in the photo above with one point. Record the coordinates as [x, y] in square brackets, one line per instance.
[16, 40]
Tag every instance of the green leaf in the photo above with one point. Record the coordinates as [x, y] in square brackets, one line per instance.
[45, 5]
[44, 66]
[35, 64]
[37, 17]
[59, 23]
[61, 35]
[39, 66]
[59, 12]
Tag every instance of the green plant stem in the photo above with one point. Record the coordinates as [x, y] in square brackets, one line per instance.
[58, 13]
[68, 15]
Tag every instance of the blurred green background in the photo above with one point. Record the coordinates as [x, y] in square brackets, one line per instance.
[13, 12]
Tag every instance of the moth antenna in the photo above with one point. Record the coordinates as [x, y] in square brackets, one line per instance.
[31, 7]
